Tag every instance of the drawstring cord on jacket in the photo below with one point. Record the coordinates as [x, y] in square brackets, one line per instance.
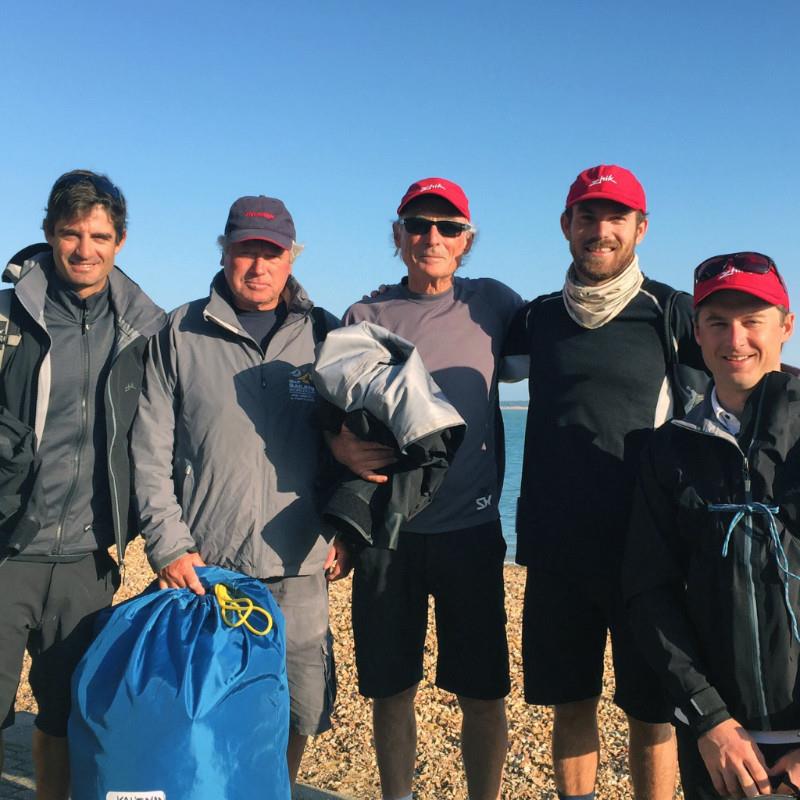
[781, 559]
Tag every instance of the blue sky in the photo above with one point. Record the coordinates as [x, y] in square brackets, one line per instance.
[336, 107]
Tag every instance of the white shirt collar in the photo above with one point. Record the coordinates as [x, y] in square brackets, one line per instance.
[728, 421]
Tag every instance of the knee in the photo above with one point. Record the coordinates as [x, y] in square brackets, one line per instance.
[650, 734]
[580, 713]
[396, 704]
[482, 709]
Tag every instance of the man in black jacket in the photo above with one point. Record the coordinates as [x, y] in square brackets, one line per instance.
[712, 559]
[70, 380]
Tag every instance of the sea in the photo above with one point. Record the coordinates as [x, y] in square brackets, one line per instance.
[514, 414]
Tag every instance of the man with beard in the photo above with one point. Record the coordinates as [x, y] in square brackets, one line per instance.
[599, 383]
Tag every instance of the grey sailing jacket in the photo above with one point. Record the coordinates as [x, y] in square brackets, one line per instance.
[224, 452]
[25, 386]
[375, 376]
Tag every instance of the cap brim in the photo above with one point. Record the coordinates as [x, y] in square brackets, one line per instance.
[461, 211]
[277, 239]
[606, 196]
[765, 293]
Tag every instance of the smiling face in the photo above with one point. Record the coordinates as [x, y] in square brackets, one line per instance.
[741, 339]
[602, 238]
[431, 259]
[84, 249]
[256, 272]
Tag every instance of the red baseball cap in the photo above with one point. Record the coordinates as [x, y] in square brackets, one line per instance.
[608, 182]
[749, 272]
[440, 187]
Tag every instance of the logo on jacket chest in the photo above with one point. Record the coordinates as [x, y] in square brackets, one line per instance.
[301, 385]
[136, 796]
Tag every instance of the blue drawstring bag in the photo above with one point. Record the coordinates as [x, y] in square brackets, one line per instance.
[181, 697]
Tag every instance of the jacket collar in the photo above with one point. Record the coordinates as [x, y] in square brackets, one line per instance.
[769, 393]
[220, 310]
[135, 313]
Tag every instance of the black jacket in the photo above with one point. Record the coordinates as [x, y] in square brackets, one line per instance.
[25, 385]
[718, 628]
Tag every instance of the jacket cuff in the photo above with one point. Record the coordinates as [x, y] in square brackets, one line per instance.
[705, 710]
[159, 563]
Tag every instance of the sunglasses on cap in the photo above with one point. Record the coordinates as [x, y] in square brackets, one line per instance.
[419, 226]
[756, 263]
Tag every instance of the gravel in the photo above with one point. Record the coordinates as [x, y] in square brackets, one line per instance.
[343, 759]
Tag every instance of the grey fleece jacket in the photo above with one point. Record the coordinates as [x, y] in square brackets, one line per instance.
[224, 453]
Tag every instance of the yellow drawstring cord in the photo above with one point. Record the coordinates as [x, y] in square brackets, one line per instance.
[241, 606]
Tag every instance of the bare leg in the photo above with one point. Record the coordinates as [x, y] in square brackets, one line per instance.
[395, 728]
[294, 754]
[484, 746]
[653, 760]
[576, 746]
[51, 764]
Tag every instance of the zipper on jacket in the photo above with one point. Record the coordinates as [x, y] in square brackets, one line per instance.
[86, 361]
[752, 605]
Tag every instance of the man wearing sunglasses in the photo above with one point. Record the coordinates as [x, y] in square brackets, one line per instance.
[454, 549]
[71, 372]
[599, 382]
[712, 566]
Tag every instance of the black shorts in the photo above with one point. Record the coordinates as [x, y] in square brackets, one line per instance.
[463, 571]
[565, 620]
[50, 609]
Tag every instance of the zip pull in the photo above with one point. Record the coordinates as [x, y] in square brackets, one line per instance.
[748, 497]
[84, 324]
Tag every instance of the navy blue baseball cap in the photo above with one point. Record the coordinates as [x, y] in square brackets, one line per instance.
[261, 217]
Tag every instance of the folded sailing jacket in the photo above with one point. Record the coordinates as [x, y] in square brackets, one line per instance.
[383, 392]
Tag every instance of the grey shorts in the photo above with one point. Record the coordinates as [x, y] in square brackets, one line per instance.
[50, 610]
[309, 651]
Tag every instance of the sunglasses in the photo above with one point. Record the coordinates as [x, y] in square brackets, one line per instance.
[420, 226]
[756, 263]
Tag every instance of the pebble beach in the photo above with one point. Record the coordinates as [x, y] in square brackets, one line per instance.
[343, 760]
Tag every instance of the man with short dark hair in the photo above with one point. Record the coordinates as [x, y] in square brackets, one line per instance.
[454, 549]
[225, 453]
[71, 379]
[711, 566]
[600, 381]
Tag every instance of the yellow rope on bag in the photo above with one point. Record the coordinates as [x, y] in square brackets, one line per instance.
[242, 607]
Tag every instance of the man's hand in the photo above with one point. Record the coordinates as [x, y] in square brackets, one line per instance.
[180, 574]
[790, 764]
[362, 458]
[382, 289]
[734, 761]
[338, 563]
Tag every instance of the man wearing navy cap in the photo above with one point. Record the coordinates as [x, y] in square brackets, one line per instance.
[600, 380]
[712, 565]
[224, 451]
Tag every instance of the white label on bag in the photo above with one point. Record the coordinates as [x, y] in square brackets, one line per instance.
[154, 795]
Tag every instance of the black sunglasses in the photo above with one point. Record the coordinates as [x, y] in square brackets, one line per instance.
[757, 263]
[419, 226]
